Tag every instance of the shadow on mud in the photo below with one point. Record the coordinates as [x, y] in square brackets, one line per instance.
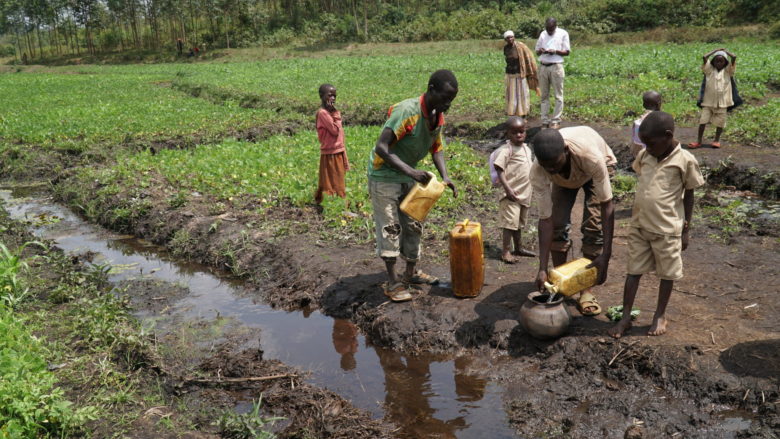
[343, 298]
[760, 358]
[501, 308]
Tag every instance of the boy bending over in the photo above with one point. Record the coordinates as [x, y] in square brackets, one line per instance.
[513, 166]
[661, 216]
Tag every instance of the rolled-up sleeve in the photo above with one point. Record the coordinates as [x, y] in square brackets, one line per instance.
[602, 188]
[542, 188]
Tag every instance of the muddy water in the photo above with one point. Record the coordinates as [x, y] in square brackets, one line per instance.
[427, 397]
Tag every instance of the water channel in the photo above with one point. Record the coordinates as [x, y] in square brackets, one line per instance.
[426, 397]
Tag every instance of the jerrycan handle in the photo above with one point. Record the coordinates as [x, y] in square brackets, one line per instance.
[464, 225]
[432, 179]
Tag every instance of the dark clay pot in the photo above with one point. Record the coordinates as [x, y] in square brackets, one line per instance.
[544, 320]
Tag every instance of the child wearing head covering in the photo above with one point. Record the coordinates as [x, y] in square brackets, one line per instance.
[717, 91]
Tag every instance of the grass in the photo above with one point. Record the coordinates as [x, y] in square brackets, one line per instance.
[79, 109]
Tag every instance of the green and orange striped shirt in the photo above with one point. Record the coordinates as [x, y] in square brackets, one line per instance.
[408, 120]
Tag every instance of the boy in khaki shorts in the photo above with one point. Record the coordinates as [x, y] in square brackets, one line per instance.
[661, 216]
[513, 166]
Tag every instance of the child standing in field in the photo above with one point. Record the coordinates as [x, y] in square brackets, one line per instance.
[651, 101]
[716, 94]
[513, 166]
[334, 163]
[661, 216]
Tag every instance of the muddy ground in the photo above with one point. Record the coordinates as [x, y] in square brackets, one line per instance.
[721, 352]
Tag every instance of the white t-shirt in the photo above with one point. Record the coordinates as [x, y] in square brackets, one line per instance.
[559, 40]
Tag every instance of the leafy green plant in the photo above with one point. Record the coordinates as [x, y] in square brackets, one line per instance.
[12, 292]
[30, 403]
[250, 425]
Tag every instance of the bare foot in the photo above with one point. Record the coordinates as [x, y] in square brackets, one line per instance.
[620, 328]
[525, 253]
[658, 327]
[508, 258]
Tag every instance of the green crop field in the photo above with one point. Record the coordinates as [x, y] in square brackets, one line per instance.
[603, 85]
[282, 171]
[46, 108]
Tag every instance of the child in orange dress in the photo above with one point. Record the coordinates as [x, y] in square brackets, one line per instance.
[334, 162]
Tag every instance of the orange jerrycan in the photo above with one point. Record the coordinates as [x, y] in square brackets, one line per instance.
[467, 268]
[571, 277]
[421, 198]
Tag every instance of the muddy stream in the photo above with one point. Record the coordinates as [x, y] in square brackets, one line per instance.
[426, 397]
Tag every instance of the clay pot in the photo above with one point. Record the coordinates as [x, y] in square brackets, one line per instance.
[544, 320]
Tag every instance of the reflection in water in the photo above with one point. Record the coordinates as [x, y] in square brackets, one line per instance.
[345, 342]
[408, 393]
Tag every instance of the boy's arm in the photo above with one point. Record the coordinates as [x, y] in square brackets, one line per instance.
[438, 160]
[510, 193]
[688, 207]
[328, 123]
[601, 262]
[708, 55]
[383, 150]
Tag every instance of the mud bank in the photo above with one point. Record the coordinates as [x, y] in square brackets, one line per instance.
[212, 367]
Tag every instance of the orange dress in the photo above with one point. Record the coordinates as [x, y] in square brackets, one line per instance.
[334, 163]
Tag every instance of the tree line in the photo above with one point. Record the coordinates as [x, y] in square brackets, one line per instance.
[50, 28]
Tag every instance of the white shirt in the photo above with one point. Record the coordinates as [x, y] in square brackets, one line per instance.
[559, 40]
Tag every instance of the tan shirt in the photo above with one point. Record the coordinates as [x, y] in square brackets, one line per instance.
[717, 92]
[590, 156]
[658, 204]
[516, 162]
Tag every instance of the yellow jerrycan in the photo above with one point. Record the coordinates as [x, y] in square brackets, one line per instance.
[421, 198]
[571, 277]
[467, 268]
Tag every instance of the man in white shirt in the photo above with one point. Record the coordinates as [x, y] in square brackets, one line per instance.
[552, 46]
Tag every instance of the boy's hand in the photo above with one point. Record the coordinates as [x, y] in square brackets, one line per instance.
[541, 278]
[447, 182]
[602, 266]
[512, 196]
[685, 239]
[421, 177]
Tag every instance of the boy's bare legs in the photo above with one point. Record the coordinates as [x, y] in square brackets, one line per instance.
[392, 275]
[506, 241]
[701, 132]
[629, 294]
[718, 132]
[659, 319]
[518, 242]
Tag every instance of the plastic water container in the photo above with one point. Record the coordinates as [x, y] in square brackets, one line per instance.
[571, 277]
[421, 198]
[467, 262]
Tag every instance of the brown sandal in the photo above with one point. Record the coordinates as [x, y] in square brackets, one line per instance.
[398, 292]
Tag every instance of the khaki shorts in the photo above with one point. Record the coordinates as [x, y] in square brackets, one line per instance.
[715, 116]
[648, 251]
[396, 233]
[511, 214]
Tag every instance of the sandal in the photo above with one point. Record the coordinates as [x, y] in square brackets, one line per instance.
[509, 260]
[398, 292]
[694, 145]
[715, 145]
[525, 253]
[420, 278]
[588, 300]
